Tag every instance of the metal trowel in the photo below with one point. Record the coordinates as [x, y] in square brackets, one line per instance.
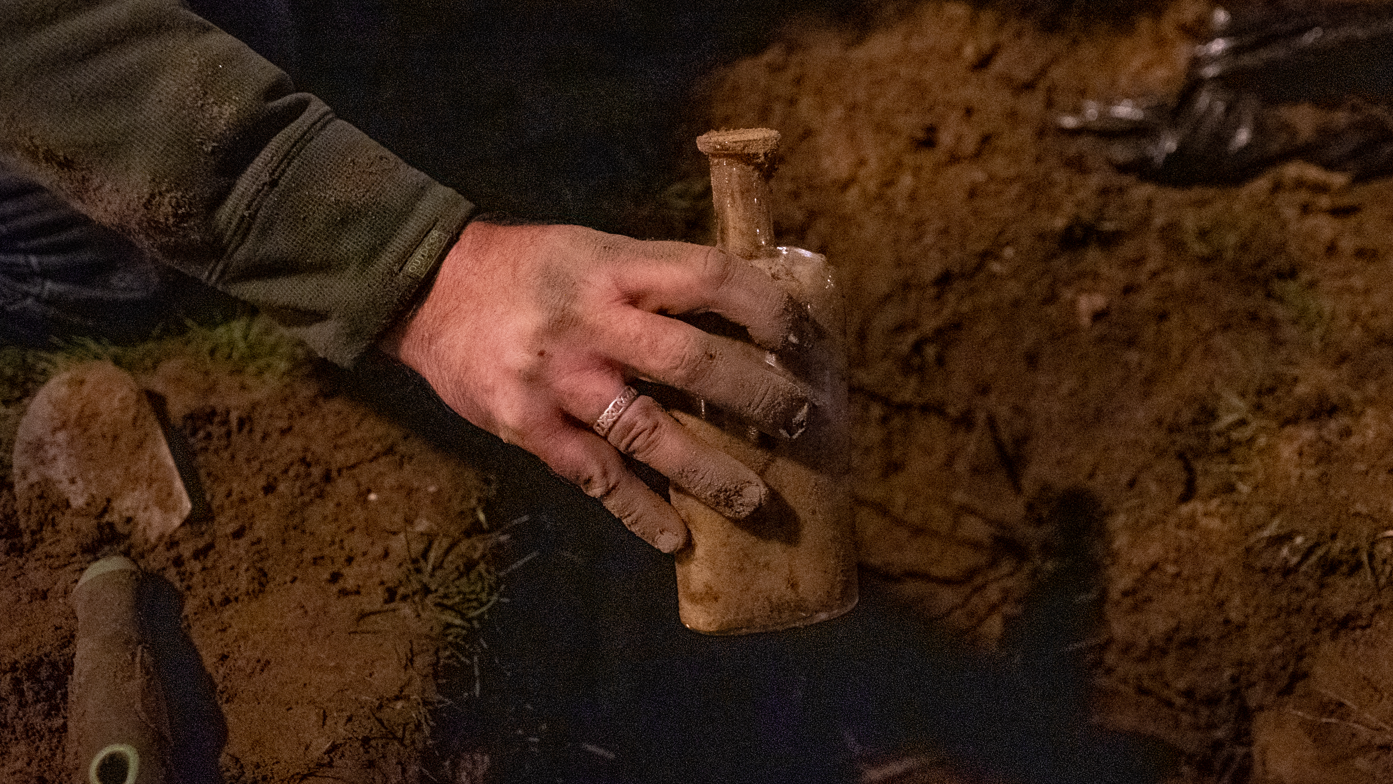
[93, 436]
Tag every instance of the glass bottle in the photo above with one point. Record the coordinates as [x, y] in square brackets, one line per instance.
[794, 562]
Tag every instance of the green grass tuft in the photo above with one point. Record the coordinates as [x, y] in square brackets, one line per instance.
[250, 345]
[449, 585]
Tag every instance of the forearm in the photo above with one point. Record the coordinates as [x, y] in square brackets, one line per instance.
[157, 124]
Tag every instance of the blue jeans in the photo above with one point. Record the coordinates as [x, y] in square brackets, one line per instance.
[63, 276]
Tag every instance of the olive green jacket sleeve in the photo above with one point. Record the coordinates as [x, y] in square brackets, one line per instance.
[157, 124]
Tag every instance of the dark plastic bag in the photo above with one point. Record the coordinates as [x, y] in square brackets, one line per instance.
[1228, 121]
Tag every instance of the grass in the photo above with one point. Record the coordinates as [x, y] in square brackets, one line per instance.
[251, 345]
[248, 345]
[448, 584]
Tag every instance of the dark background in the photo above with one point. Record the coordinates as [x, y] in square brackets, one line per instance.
[567, 110]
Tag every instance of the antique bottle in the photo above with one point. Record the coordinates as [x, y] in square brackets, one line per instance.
[794, 562]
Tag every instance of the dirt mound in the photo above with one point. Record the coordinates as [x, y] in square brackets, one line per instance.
[1210, 364]
[1044, 350]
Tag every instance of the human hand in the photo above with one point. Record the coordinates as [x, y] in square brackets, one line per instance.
[532, 332]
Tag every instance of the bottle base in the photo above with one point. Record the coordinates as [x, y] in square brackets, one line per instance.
[777, 624]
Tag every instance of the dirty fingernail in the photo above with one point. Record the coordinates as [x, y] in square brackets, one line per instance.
[801, 330]
[798, 423]
[740, 501]
[751, 498]
[668, 542]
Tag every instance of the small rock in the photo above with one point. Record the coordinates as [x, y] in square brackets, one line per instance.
[1090, 307]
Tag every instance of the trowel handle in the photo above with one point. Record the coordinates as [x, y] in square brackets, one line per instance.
[117, 728]
[742, 163]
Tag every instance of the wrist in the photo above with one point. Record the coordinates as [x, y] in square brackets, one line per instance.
[404, 339]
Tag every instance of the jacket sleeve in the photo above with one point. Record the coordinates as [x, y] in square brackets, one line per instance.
[157, 124]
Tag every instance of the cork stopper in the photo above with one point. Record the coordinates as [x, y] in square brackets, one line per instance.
[758, 143]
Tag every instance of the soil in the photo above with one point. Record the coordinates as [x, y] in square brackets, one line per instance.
[1122, 468]
[288, 603]
[1209, 365]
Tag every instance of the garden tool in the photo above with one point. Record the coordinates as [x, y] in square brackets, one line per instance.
[1227, 122]
[91, 434]
[118, 731]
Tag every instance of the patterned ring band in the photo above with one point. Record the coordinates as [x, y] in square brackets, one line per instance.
[616, 409]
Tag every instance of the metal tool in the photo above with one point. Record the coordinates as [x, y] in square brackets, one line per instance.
[118, 732]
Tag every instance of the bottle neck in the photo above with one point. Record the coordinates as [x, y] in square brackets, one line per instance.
[740, 194]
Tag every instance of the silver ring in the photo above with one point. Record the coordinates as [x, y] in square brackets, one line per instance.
[616, 409]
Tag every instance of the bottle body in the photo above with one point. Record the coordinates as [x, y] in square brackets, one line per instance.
[794, 562]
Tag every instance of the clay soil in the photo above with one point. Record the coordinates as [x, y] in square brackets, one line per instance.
[1208, 365]
[1123, 451]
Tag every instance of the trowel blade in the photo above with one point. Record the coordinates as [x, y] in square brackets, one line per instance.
[91, 433]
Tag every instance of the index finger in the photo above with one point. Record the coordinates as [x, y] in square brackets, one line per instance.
[679, 278]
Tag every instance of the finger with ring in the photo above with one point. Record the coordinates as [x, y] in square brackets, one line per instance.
[638, 427]
[730, 374]
[615, 410]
